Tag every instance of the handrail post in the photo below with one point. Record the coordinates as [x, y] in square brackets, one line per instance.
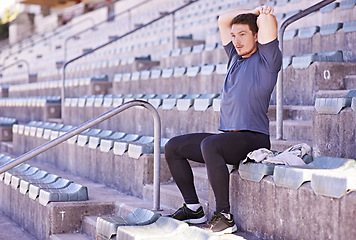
[279, 86]
[156, 157]
[95, 121]
[173, 32]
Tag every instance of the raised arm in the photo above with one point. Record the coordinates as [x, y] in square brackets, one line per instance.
[224, 23]
[266, 23]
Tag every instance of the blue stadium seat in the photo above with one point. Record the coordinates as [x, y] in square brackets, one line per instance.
[290, 34]
[330, 7]
[171, 101]
[330, 28]
[183, 104]
[308, 32]
[120, 147]
[193, 71]
[349, 26]
[347, 4]
[203, 102]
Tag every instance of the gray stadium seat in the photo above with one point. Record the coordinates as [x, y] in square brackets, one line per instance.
[330, 28]
[308, 32]
[331, 105]
[106, 227]
[294, 177]
[335, 183]
[73, 192]
[255, 171]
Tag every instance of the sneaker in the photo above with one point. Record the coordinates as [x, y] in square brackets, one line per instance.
[222, 223]
[189, 216]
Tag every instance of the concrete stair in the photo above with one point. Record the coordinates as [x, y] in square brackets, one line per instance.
[10, 230]
[70, 236]
[294, 129]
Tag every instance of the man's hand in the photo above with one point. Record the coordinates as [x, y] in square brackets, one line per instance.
[264, 9]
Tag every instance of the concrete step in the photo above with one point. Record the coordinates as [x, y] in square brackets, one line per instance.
[330, 93]
[350, 82]
[201, 181]
[102, 200]
[88, 226]
[292, 112]
[294, 129]
[10, 230]
[171, 197]
[281, 145]
[70, 236]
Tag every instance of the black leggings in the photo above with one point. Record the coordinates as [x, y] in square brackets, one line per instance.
[215, 150]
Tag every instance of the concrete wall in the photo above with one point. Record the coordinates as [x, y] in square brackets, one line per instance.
[335, 135]
[272, 212]
[21, 28]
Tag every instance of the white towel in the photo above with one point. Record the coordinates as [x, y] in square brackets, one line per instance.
[292, 156]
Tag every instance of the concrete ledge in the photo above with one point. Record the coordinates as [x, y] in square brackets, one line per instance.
[42, 221]
[272, 212]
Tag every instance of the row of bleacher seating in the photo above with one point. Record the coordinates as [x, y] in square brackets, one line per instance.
[41, 184]
[145, 47]
[200, 102]
[33, 108]
[92, 152]
[329, 176]
[286, 176]
[104, 140]
[143, 222]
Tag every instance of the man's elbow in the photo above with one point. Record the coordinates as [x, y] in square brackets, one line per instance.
[267, 20]
[223, 21]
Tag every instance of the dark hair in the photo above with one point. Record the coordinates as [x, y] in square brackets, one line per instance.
[249, 19]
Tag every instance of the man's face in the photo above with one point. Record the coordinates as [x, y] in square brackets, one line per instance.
[243, 39]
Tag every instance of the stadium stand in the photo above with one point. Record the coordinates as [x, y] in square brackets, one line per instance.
[99, 184]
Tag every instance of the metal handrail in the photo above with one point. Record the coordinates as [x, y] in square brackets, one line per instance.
[114, 40]
[95, 121]
[16, 62]
[279, 86]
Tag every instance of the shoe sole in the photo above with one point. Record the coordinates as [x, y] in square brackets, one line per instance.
[228, 230]
[196, 220]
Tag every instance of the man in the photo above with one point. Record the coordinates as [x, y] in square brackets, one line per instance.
[250, 41]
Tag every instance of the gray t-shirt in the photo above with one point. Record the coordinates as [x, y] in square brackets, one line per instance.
[247, 88]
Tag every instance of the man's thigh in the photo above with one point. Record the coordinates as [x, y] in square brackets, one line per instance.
[188, 146]
[234, 146]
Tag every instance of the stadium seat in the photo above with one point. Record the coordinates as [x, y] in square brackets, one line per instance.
[106, 227]
[294, 177]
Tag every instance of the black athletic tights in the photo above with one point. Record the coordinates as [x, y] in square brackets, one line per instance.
[215, 150]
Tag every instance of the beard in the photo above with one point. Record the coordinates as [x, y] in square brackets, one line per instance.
[247, 52]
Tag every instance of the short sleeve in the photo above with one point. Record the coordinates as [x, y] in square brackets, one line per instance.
[230, 51]
[271, 55]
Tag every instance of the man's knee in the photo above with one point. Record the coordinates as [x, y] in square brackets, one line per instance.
[171, 147]
[208, 145]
